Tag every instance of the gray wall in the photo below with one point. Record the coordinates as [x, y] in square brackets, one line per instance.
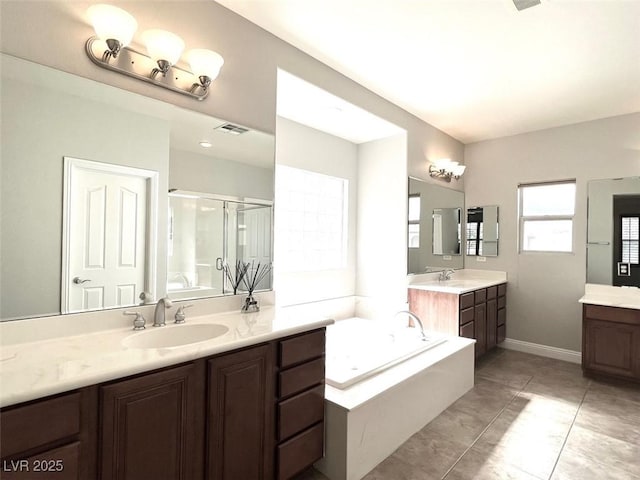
[201, 173]
[543, 291]
[54, 32]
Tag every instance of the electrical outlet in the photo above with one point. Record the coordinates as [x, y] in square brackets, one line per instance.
[481, 259]
[446, 257]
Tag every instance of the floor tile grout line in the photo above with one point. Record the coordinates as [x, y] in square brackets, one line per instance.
[564, 443]
[487, 427]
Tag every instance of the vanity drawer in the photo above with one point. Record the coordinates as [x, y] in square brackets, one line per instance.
[301, 348]
[502, 302]
[300, 412]
[502, 289]
[296, 454]
[492, 292]
[59, 463]
[300, 378]
[620, 315]
[480, 296]
[468, 330]
[501, 333]
[466, 316]
[30, 426]
[502, 316]
[466, 300]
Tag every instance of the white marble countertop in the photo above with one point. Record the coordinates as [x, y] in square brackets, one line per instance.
[621, 297]
[37, 369]
[462, 281]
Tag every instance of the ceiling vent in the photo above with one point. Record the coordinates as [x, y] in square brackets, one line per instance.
[232, 129]
[522, 4]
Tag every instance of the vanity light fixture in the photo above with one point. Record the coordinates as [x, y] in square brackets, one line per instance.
[109, 49]
[445, 169]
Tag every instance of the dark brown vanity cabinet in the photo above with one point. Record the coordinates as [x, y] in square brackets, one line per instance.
[153, 425]
[480, 314]
[241, 412]
[300, 406]
[53, 438]
[611, 341]
[249, 414]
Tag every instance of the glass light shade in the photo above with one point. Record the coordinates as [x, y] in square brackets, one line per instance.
[443, 164]
[458, 170]
[112, 23]
[205, 62]
[163, 45]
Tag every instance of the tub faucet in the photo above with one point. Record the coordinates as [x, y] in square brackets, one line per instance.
[446, 275]
[416, 319]
[159, 319]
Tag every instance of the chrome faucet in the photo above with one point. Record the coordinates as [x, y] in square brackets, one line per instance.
[416, 319]
[446, 275]
[159, 319]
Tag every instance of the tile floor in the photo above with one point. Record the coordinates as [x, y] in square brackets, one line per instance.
[528, 418]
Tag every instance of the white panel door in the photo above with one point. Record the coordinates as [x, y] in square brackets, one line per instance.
[106, 238]
[256, 239]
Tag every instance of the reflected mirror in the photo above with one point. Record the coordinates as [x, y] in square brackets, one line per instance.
[425, 201]
[482, 231]
[446, 231]
[613, 232]
[47, 115]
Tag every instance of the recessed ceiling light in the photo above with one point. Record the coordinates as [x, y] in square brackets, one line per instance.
[205, 144]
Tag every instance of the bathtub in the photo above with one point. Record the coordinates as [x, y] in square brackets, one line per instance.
[357, 348]
[383, 384]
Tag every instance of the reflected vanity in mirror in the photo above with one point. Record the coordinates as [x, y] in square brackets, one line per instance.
[48, 115]
[434, 241]
[482, 231]
[613, 232]
[207, 232]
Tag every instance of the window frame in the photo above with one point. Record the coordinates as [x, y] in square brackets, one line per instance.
[414, 222]
[522, 219]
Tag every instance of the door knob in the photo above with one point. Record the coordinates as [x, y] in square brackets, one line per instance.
[78, 281]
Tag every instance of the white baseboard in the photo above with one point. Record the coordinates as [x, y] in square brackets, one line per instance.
[542, 350]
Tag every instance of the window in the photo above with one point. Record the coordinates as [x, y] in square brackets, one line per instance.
[310, 220]
[630, 239]
[414, 221]
[546, 216]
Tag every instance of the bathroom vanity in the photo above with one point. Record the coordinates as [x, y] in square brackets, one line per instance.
[611, 332]
[466, 306]
[245, 406]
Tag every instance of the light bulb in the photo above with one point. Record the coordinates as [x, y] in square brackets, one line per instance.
[112, 23]
[205, 63]
[163, 46]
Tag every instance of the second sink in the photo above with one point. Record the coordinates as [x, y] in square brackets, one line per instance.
[175, 336]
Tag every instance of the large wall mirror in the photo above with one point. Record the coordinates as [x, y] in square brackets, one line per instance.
[613, 232]
[434, 227]
[136, 146]
[482, 231]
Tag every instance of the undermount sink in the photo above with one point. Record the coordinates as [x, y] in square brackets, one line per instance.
[174, 336]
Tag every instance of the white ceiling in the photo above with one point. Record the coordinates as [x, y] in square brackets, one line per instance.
[476, 69]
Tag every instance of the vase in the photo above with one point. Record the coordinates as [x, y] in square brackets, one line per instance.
[250, 304]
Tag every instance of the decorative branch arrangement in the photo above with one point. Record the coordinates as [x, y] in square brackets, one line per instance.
[254, 275]
[235, 278]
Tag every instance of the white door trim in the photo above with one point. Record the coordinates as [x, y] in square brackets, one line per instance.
[73, 164]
